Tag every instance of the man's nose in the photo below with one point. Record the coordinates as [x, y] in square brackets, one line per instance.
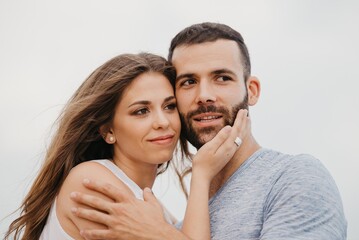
[205, 93]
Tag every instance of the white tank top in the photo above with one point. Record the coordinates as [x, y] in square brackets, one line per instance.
[53, 229]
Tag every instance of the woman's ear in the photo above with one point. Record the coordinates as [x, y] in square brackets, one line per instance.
[254, 90]
[107, 134]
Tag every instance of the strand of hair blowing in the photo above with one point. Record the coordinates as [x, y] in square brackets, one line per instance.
[75, 141]
[63, 154]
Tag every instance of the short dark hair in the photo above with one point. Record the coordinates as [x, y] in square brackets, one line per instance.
[210, 32]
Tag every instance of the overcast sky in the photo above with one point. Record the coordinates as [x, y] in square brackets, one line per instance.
[304, 52]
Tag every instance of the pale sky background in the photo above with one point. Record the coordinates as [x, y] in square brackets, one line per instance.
[304, 52]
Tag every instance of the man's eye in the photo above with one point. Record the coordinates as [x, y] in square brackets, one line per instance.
[141, 111]
[224, 78]
[188, 82]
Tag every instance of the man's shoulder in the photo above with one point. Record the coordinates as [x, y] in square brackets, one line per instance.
[303, 174]
[303, 164]
[289, 168]
[269, 163]
[304, 185]
[289, 161]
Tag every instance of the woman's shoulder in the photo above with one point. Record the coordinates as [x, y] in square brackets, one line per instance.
[91, 165]
[93, 170]
[74, 183]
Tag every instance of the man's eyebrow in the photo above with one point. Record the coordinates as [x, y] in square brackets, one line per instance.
[223, 70]
[215, 72]
[186, 75]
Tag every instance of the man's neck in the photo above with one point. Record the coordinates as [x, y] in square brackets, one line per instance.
[246, 150]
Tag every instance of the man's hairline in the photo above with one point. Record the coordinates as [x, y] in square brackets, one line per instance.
[241, 55]
[209, 41]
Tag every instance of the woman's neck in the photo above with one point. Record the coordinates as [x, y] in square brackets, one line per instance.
[143, 174]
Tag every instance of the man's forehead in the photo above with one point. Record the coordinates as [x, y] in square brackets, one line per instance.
[207, 57]
[217, 49]
[205, 46]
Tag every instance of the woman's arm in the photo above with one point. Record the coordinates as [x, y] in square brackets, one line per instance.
[206, 164]
[73, 183]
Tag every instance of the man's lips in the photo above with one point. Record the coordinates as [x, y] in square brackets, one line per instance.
[207, 117]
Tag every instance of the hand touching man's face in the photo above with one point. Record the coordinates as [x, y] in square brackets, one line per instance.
[210, 88]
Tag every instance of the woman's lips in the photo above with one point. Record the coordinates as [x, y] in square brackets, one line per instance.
[162, 140]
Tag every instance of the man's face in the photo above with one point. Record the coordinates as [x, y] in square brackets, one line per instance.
[210, 88]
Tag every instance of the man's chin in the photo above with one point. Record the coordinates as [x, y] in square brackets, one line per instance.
[198, 137]
[202, 139]
[207, 137]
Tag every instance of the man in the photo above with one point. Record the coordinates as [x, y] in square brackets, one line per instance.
[260, 193]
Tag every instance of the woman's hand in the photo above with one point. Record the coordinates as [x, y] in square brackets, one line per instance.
[125, 217]
[215, 154]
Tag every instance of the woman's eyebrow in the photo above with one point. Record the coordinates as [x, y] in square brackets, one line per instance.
[167, 99]
[146, 102]
[140, 102]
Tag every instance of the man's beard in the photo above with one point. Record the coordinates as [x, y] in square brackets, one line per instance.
[194, 136]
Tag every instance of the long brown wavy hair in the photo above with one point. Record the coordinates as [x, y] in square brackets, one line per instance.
[77, 138]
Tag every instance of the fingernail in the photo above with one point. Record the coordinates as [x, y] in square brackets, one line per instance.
[82, 233]
[227, 128]
[73, 194]
[86, 181]
[147, 190]
[74, 210]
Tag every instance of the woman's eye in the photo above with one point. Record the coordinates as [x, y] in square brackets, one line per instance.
[171, 106]
[141, 111]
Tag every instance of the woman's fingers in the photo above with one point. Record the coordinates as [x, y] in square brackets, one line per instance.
[91, 201]
[91, 234]
[90, 214]
[149, 197]
[118, 194]
[215, 154]
[244, 126]
[230, 145]
[98, 204]
[217, 141]
[239, 125]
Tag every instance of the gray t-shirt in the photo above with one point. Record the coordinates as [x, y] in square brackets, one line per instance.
[278, 196]
[275, 196]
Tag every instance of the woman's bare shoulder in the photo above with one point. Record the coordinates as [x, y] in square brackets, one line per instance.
[74, 183]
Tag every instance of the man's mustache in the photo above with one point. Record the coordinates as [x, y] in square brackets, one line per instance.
[205, 109]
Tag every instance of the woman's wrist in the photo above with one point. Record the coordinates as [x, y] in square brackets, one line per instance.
[170, 232]
[200, 178]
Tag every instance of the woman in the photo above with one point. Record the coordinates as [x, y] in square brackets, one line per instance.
[120, 126]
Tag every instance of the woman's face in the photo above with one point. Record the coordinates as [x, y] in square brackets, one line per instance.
[146, 125]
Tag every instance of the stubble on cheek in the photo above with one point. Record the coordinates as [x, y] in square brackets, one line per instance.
[198, 137]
